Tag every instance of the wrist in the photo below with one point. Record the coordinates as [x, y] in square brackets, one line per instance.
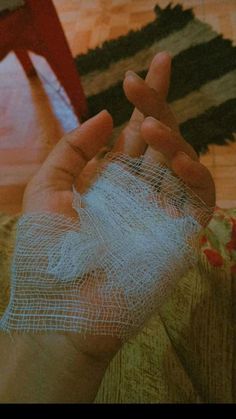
[53, 367]
[98, 349]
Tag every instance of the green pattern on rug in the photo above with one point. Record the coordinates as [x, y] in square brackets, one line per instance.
[203, 86]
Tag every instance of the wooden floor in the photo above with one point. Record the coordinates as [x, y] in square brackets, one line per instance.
[35, 113]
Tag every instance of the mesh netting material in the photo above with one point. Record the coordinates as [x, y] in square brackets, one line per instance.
[107, 271]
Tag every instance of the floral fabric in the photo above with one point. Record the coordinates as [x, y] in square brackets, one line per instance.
[218, 240]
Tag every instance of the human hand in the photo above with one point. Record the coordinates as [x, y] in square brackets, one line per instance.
[72, 160]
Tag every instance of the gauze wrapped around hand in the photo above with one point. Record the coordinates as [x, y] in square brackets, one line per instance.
[107, 271]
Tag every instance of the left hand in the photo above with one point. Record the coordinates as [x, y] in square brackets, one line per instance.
[73, 160]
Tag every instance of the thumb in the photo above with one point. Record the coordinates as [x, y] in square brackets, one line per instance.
[75, 149]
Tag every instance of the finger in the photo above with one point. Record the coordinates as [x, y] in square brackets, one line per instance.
[164, 140]
[196, 176]
[130, 140]
[89, 173]
[147, 100]
[143, 97]
[74, 150]
[164, 113]
[181, 158]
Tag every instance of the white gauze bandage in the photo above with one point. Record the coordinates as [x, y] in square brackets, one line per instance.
[106, 272]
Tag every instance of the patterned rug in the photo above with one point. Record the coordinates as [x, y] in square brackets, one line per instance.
[203, 85]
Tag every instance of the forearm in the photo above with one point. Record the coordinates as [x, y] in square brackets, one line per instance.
[48, 368]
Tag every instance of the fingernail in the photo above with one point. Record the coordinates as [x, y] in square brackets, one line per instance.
[97, 115]
[132, 74]
[161, 56]
[108, 120]
[159, 59]
[104, 111]
[157, 124]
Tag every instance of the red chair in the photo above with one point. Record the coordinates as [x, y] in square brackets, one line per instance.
[35, 27]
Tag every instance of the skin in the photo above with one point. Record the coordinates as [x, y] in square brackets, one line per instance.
[64, 367]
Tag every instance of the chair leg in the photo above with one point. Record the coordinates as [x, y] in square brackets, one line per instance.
[26, 62]
[55, 49]
[64, 68]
